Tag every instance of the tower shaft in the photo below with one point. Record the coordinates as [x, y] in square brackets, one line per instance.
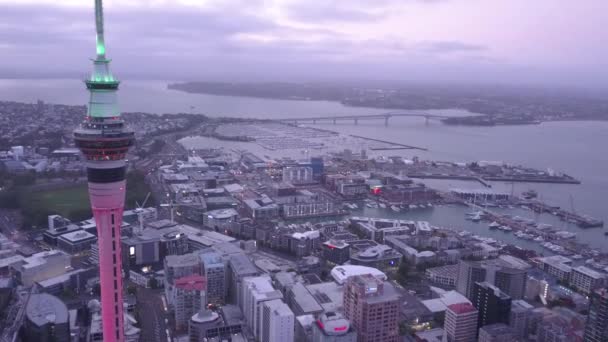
[104, 141]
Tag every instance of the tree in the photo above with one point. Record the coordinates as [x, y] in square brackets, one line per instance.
[131, 289]
[403, 271]
[97, 289]
[28, 178]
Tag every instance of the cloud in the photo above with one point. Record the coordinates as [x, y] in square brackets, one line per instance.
[314, 13]
[444, 47]
[376, 38]
[348, 10]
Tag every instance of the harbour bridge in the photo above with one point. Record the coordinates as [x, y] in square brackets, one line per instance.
[357, 118]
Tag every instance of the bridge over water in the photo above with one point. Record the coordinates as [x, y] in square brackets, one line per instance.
[356, 118]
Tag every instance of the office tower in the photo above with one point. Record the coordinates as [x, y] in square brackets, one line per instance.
[104, 141]
[469, 272]
[508, 275]
[460, 323]
[520, 317]
[333, 327]
[494, 305]
[372, 306]
[596, 329]
[189, 291]
[239, 267]
[277, 322]
[214, 270]
[179, 266]
[256, 291]
[498, 332]
[511, 281]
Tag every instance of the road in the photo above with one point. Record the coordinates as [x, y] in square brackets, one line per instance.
[10, 223]
[151, 315]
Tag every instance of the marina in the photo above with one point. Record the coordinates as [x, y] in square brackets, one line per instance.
[507, 223]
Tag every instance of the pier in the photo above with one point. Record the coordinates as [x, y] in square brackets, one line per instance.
[572, 217]
[398, 145]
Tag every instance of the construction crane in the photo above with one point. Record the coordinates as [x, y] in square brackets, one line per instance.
[140, 212]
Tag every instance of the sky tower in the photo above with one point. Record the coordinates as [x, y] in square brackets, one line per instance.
[104, 141]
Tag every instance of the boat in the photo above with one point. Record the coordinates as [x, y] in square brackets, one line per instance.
[506, 228]
[382, 205]
[494, 225]
[530, 194]
[395, 208]
[413, 206]
[474, 216]
[369, 205]
[539, 239]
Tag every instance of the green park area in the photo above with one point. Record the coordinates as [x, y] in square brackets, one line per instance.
[71, 200]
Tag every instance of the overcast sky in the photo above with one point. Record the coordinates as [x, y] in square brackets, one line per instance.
[500, 41]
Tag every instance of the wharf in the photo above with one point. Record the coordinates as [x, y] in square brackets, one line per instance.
[580, 220]
[389, 148]
[481, 180]
[540, 179]
[402, 146]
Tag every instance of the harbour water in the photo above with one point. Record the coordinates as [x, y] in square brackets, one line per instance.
[576, 148]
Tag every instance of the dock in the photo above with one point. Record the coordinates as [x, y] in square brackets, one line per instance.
[401, 146]
[389, 148]
[456, 177]
[582, 221]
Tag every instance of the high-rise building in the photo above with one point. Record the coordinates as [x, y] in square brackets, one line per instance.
[179, 266]
[508, 275]
[468, 274]
[189, 292]
[596, 329]
[494, 305]
[214, 270]
[498, 332]
[511, 281]
[333, 327]
[586, 280]
[256, 291]
[460, 323]
[239, 267]
[104, 140]
[277, 322]
[372, 306]
[520, 317]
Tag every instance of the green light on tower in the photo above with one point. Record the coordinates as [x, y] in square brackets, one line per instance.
[101, 49]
